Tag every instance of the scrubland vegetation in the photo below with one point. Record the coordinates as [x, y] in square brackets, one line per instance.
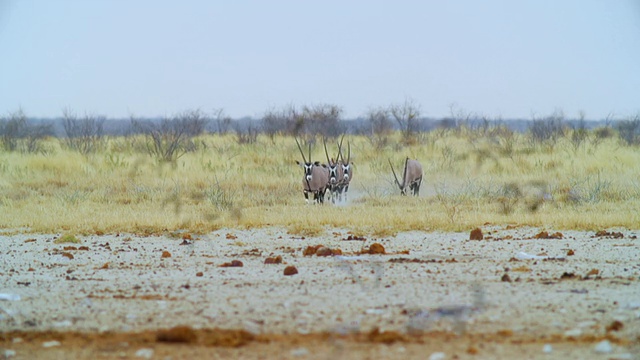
[168, 178]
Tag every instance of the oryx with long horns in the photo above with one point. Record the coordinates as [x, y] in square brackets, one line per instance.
[336, 174]
[412, 177]
[347, 169]
[315, 178]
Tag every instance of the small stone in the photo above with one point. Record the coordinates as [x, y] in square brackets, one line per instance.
[145, 353]
[52, 343]
[571, 252]
[476, 234]
[177, 334]
[273, 260]
[437, 356]
[505, 278]
[376, 248]
[199, 274]
[603, 347]
[9, 353]
[311, 250]
[547, 349]
[233, 263]
[290, 270]
[324, 251]
[166, 254]
[615, 326]
[300, 352]
[573, 333]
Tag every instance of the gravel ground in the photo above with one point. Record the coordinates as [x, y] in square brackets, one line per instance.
[518, 293]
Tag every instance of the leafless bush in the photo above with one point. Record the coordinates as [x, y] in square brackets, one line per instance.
[407, 116]
[85, 135]
[171, 137]
[579, 133]
[381, 126]
[287, 120]
[629, 130]
[221, 121]
[17, 133]
[323, 119]
[549, 130]
[247, 134]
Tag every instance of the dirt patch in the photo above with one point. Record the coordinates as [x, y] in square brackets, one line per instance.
[466, 299]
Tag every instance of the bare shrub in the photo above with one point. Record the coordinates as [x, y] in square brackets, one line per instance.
[407, 116]
[629, 130]
[86, 134]
[221, 123]
[579, 132]
[549, 130]
[17, 133]
[247, 134]
[323, 119]
[381, 126]
[287, 120]
[171, 137]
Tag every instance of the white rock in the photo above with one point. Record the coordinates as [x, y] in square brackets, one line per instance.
[9, 353]
[64, 323]
[52, 343]
[547, 349]
[573, 333]
[623, 356]
[145, 353]
[16, 340]
[9, 297]
[300, 352]
[604, 347]
[437, 356]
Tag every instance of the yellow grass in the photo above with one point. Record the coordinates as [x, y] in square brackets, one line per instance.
[469, 180]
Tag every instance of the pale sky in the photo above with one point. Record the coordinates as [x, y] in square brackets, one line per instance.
[497, 58]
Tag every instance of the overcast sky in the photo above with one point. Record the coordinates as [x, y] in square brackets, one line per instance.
[510, 59]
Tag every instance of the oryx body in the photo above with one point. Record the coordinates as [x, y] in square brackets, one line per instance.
[336, 175]
[411, 178]
[347, 171]
[315, 178]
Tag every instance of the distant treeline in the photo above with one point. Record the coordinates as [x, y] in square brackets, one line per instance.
[356, 126]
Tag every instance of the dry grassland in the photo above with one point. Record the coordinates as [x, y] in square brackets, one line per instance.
[469, 180]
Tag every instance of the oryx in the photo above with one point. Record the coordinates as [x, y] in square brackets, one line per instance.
[347, 169]
[412, 177]
[335, 174]
[315, 178]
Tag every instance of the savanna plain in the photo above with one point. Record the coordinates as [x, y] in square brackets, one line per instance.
[517, 247]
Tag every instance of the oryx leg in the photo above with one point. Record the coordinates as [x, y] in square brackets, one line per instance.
[306, 197]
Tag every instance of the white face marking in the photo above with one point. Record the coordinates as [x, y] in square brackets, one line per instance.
[345, 169]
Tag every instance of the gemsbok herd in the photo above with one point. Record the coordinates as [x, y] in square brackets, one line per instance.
[337, 173]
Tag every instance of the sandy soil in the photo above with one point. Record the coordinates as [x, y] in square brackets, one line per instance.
[430, 295]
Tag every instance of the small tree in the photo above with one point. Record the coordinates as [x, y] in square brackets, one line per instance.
[172, 137]
[407, 116]
[323, 119]
[629, 130]
[548, 130]
[381, 126]
[13, 129]
[86, 134]
[17, 133]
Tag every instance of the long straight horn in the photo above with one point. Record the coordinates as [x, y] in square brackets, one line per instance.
[348, 152]
[309, 151]
[340, 149]
[301, 152]
[394, 175]
[324, 142]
